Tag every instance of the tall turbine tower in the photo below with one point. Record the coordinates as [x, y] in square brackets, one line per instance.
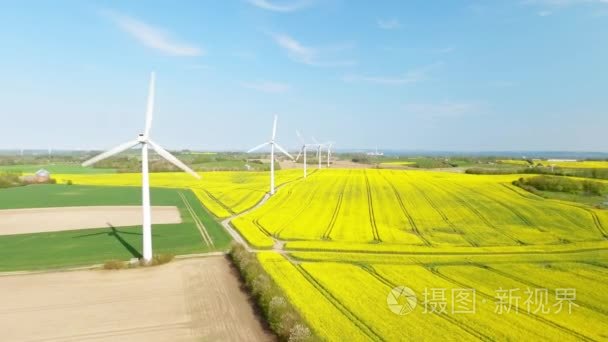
[329, 145]
[272, 143]
[144, 140]
[303, 151]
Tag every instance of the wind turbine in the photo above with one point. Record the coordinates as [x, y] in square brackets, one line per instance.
[329, 145]
[303, 150]
[272, 145]
[319, 147]
[144, 140]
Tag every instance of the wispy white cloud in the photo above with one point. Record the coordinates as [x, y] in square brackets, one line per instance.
[443, 110]
[412, 76]
[280, 6]
[389, 24]
[153, 37]
[268, 86]
[308, 55]
[545, 13]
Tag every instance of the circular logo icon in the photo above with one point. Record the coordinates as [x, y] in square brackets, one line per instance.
[401, 300]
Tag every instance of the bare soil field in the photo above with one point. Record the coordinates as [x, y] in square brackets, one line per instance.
[23, 221]
[187, 300]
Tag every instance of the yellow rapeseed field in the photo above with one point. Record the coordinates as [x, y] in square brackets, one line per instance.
[352, 236]
[422, 208]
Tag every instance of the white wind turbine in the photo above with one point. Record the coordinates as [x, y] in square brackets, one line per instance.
[319, 154]
[303, 151]
[329, 146]
[144, 140]
[272, 145]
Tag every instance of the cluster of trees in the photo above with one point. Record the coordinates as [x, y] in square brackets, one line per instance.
[9, 179]
[540, 170]
[561, 184]
[282, 317]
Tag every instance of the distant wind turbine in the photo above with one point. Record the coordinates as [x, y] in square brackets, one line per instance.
[272, 143]
[144, 140]
[303, 151]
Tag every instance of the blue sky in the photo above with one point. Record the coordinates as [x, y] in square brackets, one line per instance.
[431, 75]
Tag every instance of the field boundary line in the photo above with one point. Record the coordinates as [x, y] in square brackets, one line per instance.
[201, 228]
[370, 206]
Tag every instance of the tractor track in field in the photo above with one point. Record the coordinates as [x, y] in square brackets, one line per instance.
[260, 226]
[365, 329]
[298, 212]
[515, 212]
[227, 222]
[473, 332]
[483, 218]
[596, 220]
[491, 299]
[444, 217]
[201, 227]
[534, 285]
[215, 199]
[370, 208]
[530, 197]
[334, 216]
[407, 214]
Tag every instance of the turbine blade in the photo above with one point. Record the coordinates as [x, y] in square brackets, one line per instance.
[300, 137]
[283, 150]
[274, 127]
[315, 141]
[109, 153]
[150, 107]
[258, 147]
[171, 158]
[300, 153]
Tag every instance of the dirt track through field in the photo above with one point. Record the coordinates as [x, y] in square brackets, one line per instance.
[23, 221]
[187, 300]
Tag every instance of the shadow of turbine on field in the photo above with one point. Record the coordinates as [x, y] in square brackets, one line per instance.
[117, 234]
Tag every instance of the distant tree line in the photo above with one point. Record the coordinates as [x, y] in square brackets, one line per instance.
[561, 184]
[541, 170]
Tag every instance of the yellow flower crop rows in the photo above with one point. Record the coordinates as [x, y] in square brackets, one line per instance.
[422, 208]
[353, 235]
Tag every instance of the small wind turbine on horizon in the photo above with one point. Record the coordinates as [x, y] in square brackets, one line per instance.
[303, 150]
[144, 140]
[329, 146]
[272, 143]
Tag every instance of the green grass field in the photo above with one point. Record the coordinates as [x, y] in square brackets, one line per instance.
[54, 168]
[90, 246]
